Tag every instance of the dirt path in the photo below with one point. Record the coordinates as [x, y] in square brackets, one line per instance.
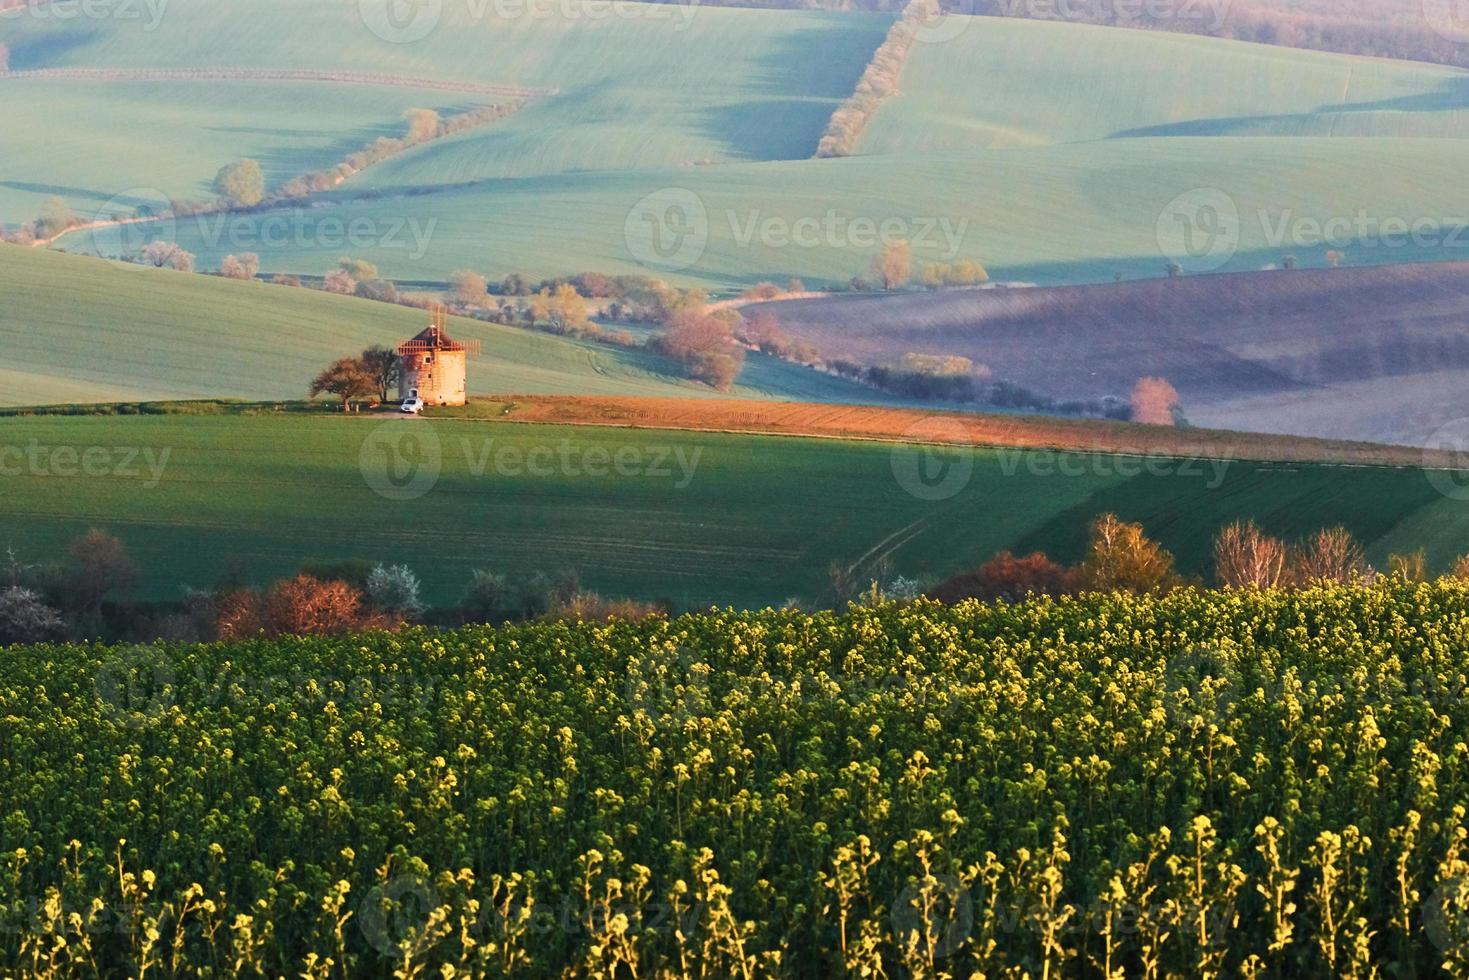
[271, 75]
[938, 427]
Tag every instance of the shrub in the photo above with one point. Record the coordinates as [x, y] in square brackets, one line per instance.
[1331, 555]
[1009, 578]
[395, 590]
[1121, 558]
[1246, 558]
[488, 598]
[305, 606]
[241, 183]
[24, 618]
[99, 567]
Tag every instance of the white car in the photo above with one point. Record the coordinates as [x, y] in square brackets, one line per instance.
[413, 406]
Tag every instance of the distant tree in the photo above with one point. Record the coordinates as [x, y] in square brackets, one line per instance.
[515, 285]
[1331, 555]
[706, 346]
[378, 290]
[859, 285]
[245, 266]
[237, 614]
[936, 274]
[24, 618]
[763, 330]
[168, 255]
[762, 291]
[349, 379]
[394, 590]
[567, 310]
[1121, 558]
[967, 272]
[795, 287]
[55, 218]
[304, 606]
[285, 281]
[488, 598]
[1288, 262]
[359, 269]
[468, 288]
[1247, 558]
[423, 124]
[385, 368]
[241, 183]
[1174, 270]
[1334, 258]
[894, 266]
[1009, 578]
[338, 281]
[1153, 401]
[99, 567]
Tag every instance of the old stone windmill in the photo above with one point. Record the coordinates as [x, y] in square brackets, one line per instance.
[433, 365]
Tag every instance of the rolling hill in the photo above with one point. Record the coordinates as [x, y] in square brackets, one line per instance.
[85, 330]
[686, 515]
[1375, 354]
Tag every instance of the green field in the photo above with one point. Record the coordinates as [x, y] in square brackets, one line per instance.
[724, 85]
[1051, 215]
[1002, 133]
[695, 517]
[81, 330]
[89, 143]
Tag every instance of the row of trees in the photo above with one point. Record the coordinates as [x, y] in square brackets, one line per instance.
[878, 82]
[1120, 557]
[367, 377]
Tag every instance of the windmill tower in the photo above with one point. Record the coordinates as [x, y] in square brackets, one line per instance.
[433, 365]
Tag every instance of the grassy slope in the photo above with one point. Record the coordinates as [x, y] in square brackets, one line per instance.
[272, 490]
[1016, 83]
[87, 330]
[1080, 212]
[639, 86]
[146, 142]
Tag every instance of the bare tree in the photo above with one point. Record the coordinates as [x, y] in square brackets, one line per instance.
[338, 281]
[168, 255]
[1330, 555]
[1247, 558]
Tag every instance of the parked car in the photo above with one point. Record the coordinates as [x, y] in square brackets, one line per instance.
[413, 406]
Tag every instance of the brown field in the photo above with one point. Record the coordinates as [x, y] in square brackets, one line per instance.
[946, 428]
[1377, 354]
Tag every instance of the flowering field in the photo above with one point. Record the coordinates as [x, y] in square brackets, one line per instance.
[1206, 784]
